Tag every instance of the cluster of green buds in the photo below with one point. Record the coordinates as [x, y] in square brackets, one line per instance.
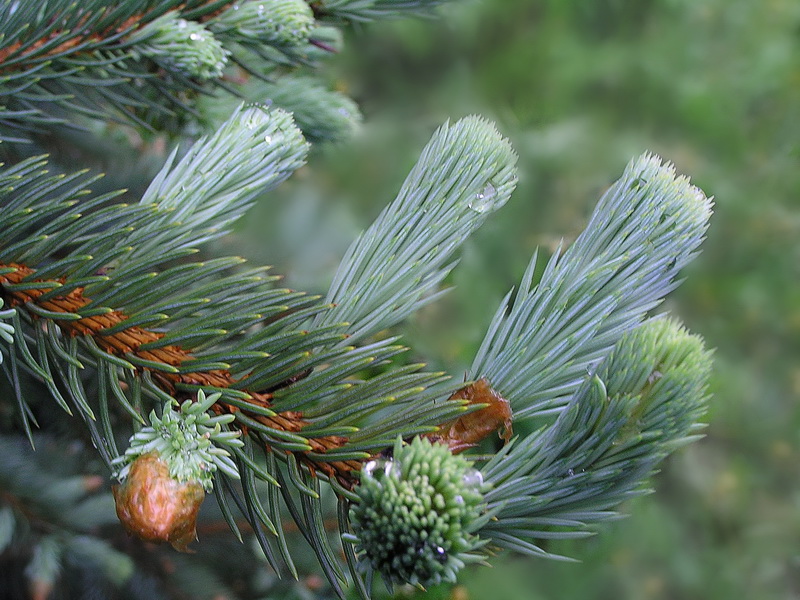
[183, 45]
[282, 23]
[416, 514]
[169, 466]
[6, 329]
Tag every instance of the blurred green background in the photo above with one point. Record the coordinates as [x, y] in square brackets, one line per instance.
[580, 87]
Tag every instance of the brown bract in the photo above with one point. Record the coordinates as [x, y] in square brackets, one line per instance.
[156, 507]
[468, 431]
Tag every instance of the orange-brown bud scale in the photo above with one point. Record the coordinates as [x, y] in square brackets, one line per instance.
[469, 430]
[157, 508]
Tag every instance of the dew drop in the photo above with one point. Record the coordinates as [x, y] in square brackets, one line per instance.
[268, 139]
[484, 200]
[392, 469]
[473, 479]
[194, 36]
[382, 468]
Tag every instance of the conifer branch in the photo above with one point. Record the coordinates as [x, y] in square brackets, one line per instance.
[54, 53]
[304, 412]
[465, 173]
[644, 400]
[144, 63]
[321, 114]
[110, 311]
[644, 230]
[643, 403]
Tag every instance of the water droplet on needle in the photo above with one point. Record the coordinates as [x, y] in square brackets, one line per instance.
[484, 200]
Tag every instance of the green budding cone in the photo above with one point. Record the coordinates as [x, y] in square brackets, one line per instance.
[416, 509]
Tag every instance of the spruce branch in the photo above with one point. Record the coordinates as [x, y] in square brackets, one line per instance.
[644, 230]
[285, 24]
[643, 402]
[421, 514]
[111, 312]
[171, 332]
[218, 179]
[144, 63]
[135, 62]
[58, 59]
[465, 173]
[112, 315]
